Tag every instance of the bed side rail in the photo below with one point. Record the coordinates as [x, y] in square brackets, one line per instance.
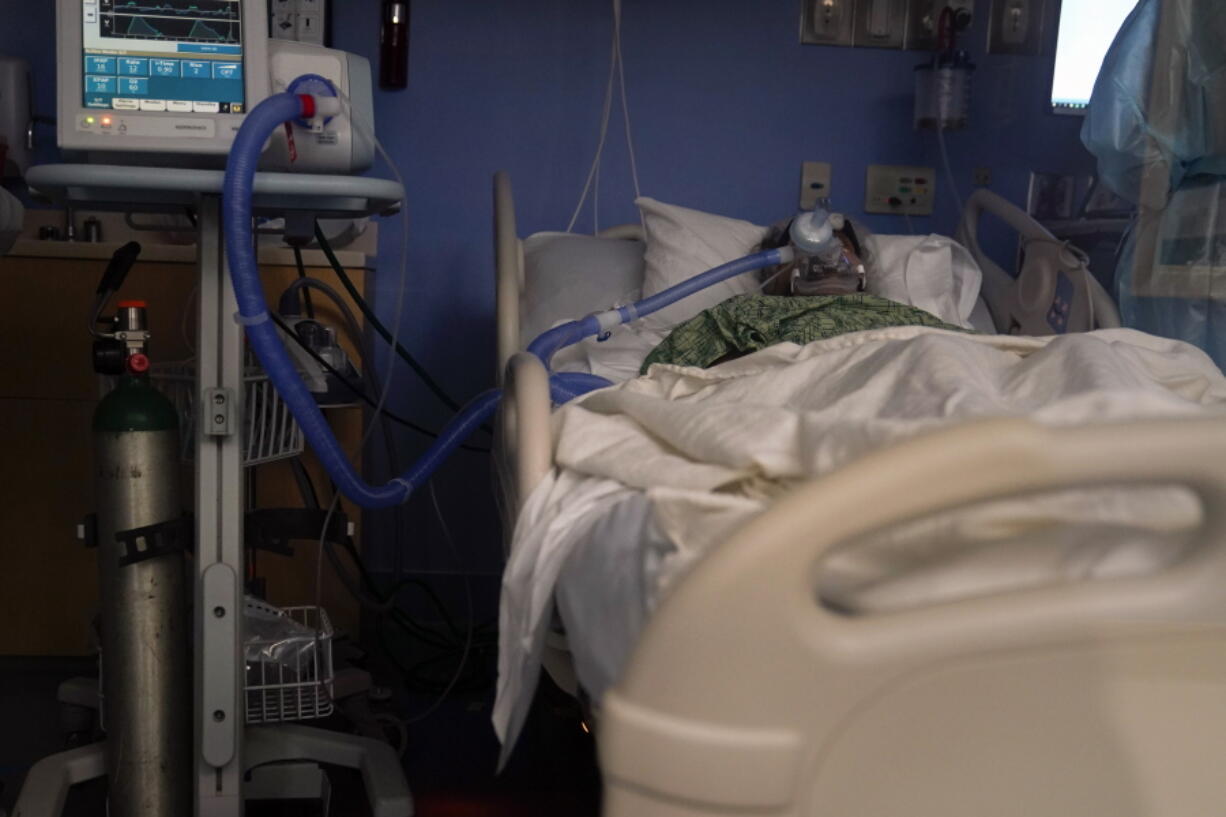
[720, 680]
[525, 433]
[508, 271]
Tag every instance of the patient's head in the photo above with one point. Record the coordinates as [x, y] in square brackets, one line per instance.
[783, 279]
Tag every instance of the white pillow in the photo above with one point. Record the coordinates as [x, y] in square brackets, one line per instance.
[682, 243]
[932, 272]
[568, 276]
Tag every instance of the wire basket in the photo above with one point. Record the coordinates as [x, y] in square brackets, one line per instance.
[269, 430]
[278, 690]
[289, 678]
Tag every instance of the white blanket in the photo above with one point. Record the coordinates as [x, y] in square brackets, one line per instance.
[710, 449]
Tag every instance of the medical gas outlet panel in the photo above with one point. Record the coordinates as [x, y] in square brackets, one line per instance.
[899, 189]
[304, 21]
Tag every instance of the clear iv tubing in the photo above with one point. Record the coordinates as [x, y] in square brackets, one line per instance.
[265, 342]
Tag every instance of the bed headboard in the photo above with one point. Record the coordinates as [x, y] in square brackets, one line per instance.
[511, 275]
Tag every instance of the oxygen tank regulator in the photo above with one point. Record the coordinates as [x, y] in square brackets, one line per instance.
[123, 346]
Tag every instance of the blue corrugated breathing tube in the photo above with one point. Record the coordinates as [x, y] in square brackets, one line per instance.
[262, 335]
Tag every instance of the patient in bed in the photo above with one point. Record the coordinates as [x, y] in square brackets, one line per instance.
[829, 307]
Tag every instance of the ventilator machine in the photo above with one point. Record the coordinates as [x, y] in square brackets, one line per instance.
[151, 102]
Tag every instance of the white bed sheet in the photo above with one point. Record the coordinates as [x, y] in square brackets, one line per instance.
[617, 359]
[659, 469]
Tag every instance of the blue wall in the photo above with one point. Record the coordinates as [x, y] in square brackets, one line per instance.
[725, 104]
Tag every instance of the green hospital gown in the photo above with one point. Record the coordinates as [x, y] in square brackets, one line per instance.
[747, 323]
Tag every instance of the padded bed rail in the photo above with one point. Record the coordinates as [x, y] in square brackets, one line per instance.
[748, 694]
[508, 270]
[525, 442]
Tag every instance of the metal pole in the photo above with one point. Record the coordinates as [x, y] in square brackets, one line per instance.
[219, 531]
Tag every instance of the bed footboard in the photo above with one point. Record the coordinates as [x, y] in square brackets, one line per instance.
[748, 694]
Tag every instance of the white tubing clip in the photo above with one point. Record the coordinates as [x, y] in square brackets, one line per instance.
[408, 487]
[254, 320]
[608, 320]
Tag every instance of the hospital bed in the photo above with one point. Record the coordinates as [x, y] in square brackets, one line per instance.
[756, 688]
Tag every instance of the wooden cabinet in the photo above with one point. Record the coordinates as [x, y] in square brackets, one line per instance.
[48, 579]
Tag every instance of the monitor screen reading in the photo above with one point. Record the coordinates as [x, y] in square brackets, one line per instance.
[181, 56]
[1087, 29]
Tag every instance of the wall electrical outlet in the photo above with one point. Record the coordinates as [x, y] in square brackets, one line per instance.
[1016, 27]
[880, 23]
[814, 183]
[304, 21]
[900, 189]
[983, 176]
[828, 22]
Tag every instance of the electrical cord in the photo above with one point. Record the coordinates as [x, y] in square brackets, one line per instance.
[307, 306]
[366, 592]
[616, 74]
[446, 643]
[594, 171]
[949, 177]
[288, 300]
[351, 322]
[306, 487]
[480, 639]
[368, 596]
[373, 319]
[356, 391]
[185, 319]
[621, 78]
[468, 638]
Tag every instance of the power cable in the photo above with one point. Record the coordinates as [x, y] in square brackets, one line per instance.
[356, 391]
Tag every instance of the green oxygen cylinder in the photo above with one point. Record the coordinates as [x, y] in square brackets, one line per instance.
[145, 617]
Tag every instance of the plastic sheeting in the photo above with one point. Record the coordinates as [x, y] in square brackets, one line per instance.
[1140, 120]
[1173, 269]
[1157, 125]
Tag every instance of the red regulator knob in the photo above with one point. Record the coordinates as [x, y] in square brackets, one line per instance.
[138, 363]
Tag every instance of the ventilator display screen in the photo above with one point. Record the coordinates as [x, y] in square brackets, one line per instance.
[1087, 29]
[182, 56]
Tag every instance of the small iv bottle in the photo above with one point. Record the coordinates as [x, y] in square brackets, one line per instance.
[943, 91]
[394, 45]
